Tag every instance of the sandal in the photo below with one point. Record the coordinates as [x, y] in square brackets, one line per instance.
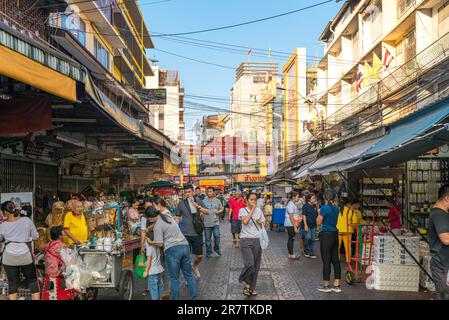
[247, 291]
[253, 293]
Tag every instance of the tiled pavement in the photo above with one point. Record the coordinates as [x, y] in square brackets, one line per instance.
[279, 278]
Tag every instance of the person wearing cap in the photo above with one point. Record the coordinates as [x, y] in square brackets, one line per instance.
[328, 218]
[176, 249]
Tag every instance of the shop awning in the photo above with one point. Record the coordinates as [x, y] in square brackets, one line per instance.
[409, 128]
[340, 160]
[21, 68]
[410, 150]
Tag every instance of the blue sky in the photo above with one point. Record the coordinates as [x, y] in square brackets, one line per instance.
[283, 34]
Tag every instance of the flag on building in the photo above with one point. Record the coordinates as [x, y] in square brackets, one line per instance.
[250, 52]
[269, 53]
[377, 67]
[388, 58]
[359, 78]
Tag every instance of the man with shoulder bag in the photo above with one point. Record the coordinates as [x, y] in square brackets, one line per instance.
[190, 211]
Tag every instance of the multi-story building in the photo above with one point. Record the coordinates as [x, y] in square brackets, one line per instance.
[248, 115]
[76, 69]
[383, 60]
[110, 39]
[164, 98]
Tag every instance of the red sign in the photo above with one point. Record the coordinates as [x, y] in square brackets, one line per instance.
[163, 191]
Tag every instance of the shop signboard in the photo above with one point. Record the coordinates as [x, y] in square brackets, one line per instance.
[211, 182]
[164, 191]
[22, 200]
[250, 178]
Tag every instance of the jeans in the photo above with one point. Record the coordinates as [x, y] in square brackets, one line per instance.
[329, 254]
[156, 286]
[178, 258]
[439, 275]
[308, 243]
[208, 233]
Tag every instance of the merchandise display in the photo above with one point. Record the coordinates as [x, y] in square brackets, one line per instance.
[393, 268]
[373, 191]
[424, 177]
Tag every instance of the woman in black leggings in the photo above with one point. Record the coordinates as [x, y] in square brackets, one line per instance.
[18, 232]
[329, 242]
[291, 224]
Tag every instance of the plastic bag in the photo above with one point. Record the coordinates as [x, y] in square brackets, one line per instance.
[263, 238]
[140, 265]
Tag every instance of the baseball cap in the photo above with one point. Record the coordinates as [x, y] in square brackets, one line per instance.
[305, 193]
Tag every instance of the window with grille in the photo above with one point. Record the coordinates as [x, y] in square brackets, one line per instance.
[101, 53]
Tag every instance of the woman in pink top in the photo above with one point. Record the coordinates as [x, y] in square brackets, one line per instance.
[394, 216]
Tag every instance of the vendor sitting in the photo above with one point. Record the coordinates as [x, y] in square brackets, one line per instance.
[54, 288]
[75, 226]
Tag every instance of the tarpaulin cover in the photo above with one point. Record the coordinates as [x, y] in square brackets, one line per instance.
[24, 115]
[21, 68]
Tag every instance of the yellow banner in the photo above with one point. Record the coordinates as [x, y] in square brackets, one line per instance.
[211, 182]
[169, 167]
[192, 162]
[16, 66]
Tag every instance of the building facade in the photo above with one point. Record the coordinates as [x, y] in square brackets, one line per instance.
[375, 52]
[164, 98]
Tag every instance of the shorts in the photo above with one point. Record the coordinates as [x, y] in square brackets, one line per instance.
[236, 226]
[196, 244]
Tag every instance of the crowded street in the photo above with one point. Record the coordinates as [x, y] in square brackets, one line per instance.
[279, 278]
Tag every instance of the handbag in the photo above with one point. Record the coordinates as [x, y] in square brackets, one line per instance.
[197, 222]
[263, 235]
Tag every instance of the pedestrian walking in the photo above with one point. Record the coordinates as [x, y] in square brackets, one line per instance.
[176, 248]
[212, 222]
[192, 227]
[235, 205]
[154, 269]
[439, 243]
[18, 233]
[291, 223]
[252, 220]
[301, 230]
[310, 213]
[327, 218]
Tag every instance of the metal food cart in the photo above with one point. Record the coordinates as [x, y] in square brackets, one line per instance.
[112, 261]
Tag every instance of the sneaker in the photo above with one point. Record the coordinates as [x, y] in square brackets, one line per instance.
[307, 255]
[215, 255]
[218, 254]
[336, 289]
[324, 289]
[196, 271]
[312, 256]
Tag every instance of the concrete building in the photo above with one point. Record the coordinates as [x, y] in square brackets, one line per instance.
[248, 118]
[375, 50]
[165, 102]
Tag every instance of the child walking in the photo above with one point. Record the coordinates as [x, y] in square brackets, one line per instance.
[154, 270]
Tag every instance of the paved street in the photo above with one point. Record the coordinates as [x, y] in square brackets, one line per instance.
[279, 278]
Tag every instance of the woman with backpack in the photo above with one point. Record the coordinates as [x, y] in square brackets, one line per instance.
[252, 220]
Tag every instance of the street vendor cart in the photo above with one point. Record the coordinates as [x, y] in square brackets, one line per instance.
[108, 259]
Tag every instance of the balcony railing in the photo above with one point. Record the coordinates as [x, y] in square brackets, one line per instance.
[393, 81]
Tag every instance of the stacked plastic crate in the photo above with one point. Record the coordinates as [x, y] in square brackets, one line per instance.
[393, 268]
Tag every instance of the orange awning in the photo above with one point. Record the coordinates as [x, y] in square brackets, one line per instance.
[21, 68]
